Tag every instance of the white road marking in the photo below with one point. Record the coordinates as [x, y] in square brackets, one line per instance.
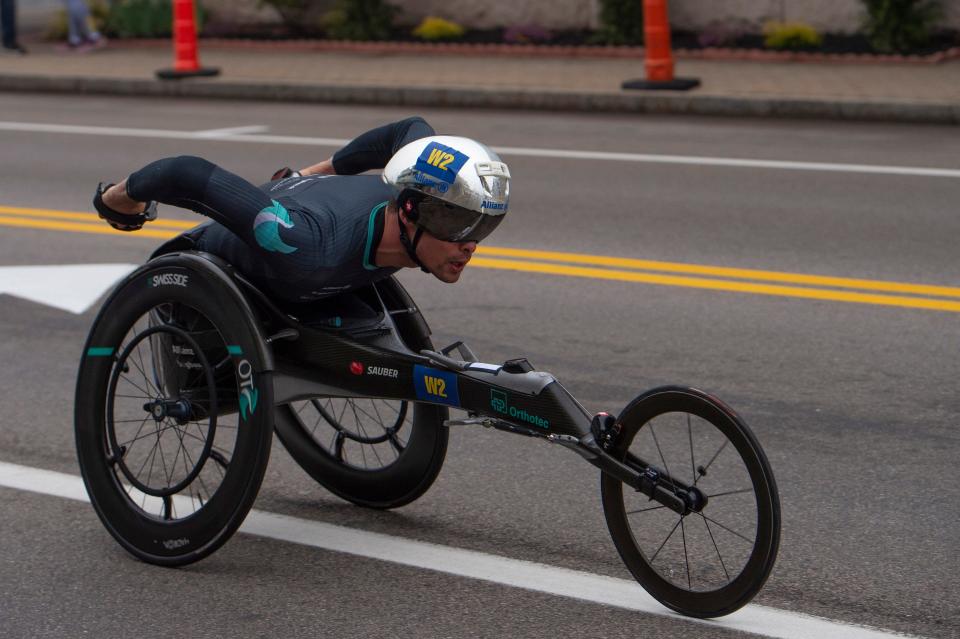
[71, 129]
[732, 162]
[69, 287]
[236, 130]
[232, 135]
[620, 593]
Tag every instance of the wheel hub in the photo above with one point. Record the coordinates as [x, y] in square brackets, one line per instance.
[160, 409]
[696, 499]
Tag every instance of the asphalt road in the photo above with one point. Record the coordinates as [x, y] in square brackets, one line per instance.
[855, 403]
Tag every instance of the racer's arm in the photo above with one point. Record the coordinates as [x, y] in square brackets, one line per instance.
[373, 149]
[286, 239]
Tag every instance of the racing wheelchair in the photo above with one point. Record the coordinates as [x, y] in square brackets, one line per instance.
[189, 369]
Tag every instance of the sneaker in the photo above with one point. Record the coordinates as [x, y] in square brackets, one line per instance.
[15, 48]
[81, 47]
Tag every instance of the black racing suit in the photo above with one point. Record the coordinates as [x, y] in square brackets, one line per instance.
[300, 238]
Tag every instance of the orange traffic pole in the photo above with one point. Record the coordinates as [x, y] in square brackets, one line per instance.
[186, 62]
[657, 52]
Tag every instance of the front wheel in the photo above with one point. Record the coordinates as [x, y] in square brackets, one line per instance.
[713, 559]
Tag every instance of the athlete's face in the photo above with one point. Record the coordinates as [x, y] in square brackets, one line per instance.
[446, 260]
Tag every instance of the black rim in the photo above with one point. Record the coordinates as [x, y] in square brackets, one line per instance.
[366, 434]
[166, 445]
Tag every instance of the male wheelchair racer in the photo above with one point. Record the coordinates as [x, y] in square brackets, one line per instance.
[188, 370]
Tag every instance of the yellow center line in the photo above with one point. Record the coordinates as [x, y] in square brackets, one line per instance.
[85, 217]
[718, 285]
[720, 271]
[100, 228]
[594, 266]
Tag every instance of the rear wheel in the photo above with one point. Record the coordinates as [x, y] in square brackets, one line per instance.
[713, 559]
[380, 453]
[172, 420]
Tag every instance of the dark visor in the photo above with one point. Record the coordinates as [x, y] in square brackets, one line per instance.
[451, 223]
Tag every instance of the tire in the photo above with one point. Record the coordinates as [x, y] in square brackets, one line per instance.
[701, 564]
[172, 415]
[376, 453]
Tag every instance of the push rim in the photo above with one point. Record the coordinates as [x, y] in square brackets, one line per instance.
[163, 429]
[363, 434]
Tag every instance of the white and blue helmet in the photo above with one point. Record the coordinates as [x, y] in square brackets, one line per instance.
[460, 188]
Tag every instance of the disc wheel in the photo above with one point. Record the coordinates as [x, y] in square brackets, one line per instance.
[172, 421]
[715, 557]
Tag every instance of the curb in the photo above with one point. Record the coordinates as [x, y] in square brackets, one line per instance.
[554, 51]
[603, 102]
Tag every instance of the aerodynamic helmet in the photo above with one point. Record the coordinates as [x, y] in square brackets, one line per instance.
[454, 188]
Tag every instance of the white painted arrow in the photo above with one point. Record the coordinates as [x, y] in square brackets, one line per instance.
[70, 287]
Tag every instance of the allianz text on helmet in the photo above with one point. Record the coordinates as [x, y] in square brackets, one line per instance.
[462, 188]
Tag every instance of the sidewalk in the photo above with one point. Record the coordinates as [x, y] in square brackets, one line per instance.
[846, 91]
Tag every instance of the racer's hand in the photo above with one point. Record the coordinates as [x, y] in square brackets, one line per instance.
[122, 221]
[285, 172]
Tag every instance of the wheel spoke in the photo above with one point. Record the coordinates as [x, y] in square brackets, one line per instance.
[730, 492]
[715, 455]
[148, 458]
[146, 394]
[163, 460]
[729, 530]
[143, 371]
[660, 452]
[714, 541]
[644, 510]
[673, 530]
[143, 422]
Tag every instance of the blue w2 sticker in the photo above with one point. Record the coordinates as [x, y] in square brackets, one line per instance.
[432, 385]
[442, 162]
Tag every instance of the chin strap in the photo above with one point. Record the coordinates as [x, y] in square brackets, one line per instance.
[411, 247]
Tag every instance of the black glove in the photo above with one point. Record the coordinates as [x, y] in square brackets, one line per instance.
[121, 221]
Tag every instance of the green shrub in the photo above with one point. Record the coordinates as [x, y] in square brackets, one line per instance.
[621, 22]
[360, 20]
[790, 36]
[302, 17]
[900, 25]
[144, 18]
[434, 28]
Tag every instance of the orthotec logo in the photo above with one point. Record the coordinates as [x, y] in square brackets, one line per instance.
[498, 402]
[248, 390]
[168, 279]
[266, 228]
